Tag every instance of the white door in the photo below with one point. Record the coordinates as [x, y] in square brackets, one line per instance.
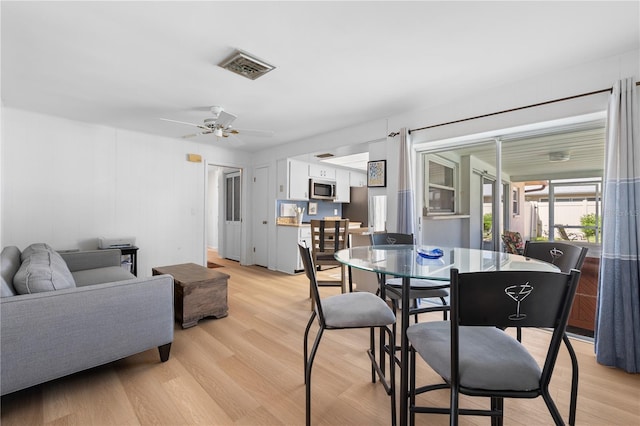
[233, 217]
[260, 216]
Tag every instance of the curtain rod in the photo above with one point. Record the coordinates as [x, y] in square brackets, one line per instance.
[514, 109]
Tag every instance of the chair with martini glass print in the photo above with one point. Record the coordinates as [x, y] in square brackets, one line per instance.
[475, 357]
[565, 256]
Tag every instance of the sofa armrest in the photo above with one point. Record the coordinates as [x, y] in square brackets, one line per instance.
[52, 334]
[91, 259]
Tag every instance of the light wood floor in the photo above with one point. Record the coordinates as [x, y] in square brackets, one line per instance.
[246, 369]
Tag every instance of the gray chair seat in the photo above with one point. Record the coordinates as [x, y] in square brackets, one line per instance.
[490, 359]
[356, 310]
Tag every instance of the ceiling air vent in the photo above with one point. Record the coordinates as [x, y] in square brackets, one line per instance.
[246, 65]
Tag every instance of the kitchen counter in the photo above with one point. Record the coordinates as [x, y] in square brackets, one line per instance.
[289, 234]
[297, 225]
[289, 221]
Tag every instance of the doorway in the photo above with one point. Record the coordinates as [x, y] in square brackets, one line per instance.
[223, 211]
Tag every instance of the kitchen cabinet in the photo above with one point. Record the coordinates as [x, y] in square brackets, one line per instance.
[357, 179]
[343, 193]
[293, 180]
[321, 171]
[288, 237]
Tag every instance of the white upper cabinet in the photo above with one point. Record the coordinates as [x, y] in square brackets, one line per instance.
[298, 180]
[358, 179]
[321, 171]
[293, 180]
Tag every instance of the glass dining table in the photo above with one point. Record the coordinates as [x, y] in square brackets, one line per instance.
[421, 262]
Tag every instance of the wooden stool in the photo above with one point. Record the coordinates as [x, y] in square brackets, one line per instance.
[199, 292]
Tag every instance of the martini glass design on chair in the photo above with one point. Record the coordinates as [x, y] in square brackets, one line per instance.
[518, 292]
[555, 254]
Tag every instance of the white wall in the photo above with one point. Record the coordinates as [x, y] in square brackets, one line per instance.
[67, 183]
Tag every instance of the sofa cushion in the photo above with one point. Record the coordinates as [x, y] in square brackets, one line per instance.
[42, 271]
[10, 263]
[101, 275]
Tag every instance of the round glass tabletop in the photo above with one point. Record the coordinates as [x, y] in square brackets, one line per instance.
[409, 261]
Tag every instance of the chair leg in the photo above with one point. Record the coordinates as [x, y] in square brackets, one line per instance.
[307, 375]
[306, 342]
[557, 418]
[574, 380]
[453, 416]
[392, 379]
[372, 349]
[497, 406]
[412, 386]
[379, 368]
[444, 312]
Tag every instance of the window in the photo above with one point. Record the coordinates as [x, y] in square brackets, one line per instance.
[440, 186]
[233, 197]
[515, 201]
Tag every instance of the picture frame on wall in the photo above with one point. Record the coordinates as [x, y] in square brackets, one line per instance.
[313, 209]
[377, 174]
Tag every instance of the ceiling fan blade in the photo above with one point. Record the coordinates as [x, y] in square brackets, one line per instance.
[184, 122]
[254, 132]
[225, 119]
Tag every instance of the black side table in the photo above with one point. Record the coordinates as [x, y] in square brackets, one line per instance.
[133, 252]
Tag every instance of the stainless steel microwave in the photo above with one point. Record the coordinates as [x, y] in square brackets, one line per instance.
[322, 189]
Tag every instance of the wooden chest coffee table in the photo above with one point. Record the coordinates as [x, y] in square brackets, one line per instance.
[199, 292]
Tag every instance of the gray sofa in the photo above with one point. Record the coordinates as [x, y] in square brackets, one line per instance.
[66, 312]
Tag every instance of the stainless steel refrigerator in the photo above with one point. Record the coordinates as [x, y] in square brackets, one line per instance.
[357, 210]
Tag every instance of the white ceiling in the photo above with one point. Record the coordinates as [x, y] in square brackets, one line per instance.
[125, 64]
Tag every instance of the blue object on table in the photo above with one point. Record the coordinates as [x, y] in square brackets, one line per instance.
[430, 254]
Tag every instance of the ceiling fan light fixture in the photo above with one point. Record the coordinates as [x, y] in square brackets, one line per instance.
[559, 157]
[218, 133]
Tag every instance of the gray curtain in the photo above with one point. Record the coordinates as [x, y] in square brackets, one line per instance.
[405, 187]
[617, 339]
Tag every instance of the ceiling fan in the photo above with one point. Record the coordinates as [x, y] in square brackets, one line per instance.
[219, 125]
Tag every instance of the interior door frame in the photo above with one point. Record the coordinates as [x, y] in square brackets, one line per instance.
[225, 168]
[255, 217]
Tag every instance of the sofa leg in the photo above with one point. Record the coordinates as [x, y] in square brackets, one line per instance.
[164, 352]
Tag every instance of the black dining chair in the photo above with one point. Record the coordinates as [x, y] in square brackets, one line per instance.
[347, 311]
[420, 289]
[565, 256]
[475, 357]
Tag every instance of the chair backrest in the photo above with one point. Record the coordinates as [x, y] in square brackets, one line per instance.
[310, 271]
[514, 299]
[564, 255]
[513, 242]
[387, 238]
[329, 235]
